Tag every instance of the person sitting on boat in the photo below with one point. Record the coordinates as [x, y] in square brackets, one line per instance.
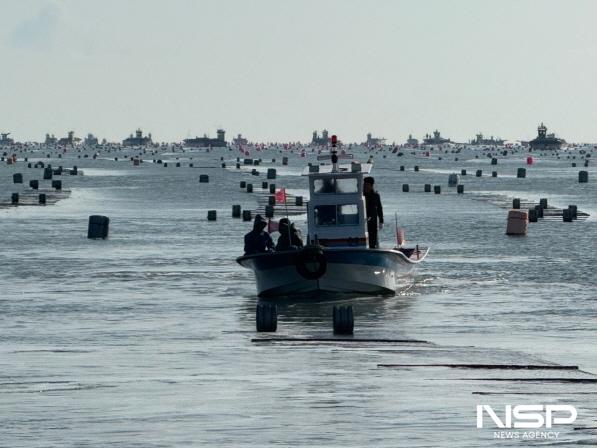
[289, 238]
[257, 240]
[374, 211]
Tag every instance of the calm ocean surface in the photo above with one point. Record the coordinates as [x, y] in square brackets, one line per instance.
[144, 339]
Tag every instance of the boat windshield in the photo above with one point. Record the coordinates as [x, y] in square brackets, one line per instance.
[335, 185]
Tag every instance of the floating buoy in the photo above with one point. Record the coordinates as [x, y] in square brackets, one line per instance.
[223, 165]
[48, 173]
[416, 168]
[17, 178]
[284, 160]
[521, 173]
[343, 320]
[574, 211]
[463, 172]
[494, 174]
[543, 202]
[247, 215]
[271, 173]
[203, 178]
[583, 177]
[236, 211]
[266, 317]
[249, 188]
[271, 200]
[460, 189]
[567, 215]
[269, 211]
[479, 173]
[14, 198]
[212, 215]
[437, 189]
[405, 188]
[494, 161]
[254, 172]
[98, 227]
[74, 171]
[42, 198]
[57, 184]
[427, 188]
[298, 201]
[539, 211]
[264, 185]
[516, 203]
[238, 166]
[401, 167]
[34, 184]
[272, 188]
[517, 222]
[533, 215]
[453, 180]
[243, 184]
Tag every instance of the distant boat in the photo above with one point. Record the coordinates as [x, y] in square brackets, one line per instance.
[545, 141]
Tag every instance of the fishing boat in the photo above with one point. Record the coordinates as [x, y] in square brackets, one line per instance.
[337, 257]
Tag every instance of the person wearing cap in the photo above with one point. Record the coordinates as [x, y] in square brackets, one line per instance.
[257, 240]
[374, 211]
[290, 237]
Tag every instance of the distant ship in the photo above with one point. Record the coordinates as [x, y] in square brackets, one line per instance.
[91, 140]
[323, 140]
[545, 141]
[4, 140]
[138, 139]
[374, 141]
[69, 140]
[480, 140]
[412, 141]
[50, 139]
[240, 141]
[206, 142]
[437, 139]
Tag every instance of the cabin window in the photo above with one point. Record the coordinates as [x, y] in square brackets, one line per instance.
[348, 214]
[331, 215]
[338, 185]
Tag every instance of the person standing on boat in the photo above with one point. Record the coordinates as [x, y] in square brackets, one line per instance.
[257, 240]
[374, 211]
[289, 236]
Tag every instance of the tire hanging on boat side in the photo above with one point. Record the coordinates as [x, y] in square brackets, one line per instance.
[308, 256]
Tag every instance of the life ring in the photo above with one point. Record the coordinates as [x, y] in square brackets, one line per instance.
[311, 262]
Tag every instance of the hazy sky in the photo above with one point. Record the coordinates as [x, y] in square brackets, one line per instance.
[279, 69]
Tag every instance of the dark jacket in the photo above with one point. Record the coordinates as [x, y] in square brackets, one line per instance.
[257, 242]
[373, 206]
[289, 239]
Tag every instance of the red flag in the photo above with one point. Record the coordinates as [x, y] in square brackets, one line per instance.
[281, 195]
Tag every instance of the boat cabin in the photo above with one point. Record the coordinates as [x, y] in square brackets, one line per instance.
[336, 210]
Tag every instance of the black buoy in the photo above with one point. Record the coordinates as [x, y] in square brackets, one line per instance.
[405, 188]
[343, 318]
[236, 211]
[271, 200]
[516, 203]
[583, 177]
[437, 189]
[264, 185]
[494, 161]
[401, 167]
[417, 168]
[427, 188]
[247, 215]
[74, 171]
[521, 173]
[42, 198]
[298, 201]
[14, 199]
[479, 173]
[34, 184]
[17, 178]
[463, 172]
[203, 178]
[243, 184]
[271, 173]
[266, 317]
[539, 211]
[238, 166]
[533, 215]
[57, 184]
[574, 211]
[543, 202]
[272, 188]
[460, 189]
[494, 174]
[567, 215]
[269, 211]
[48, 173]
[249, 188]
[98, 227]
[212, 215]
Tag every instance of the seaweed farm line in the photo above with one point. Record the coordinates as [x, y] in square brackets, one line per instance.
[147, 338]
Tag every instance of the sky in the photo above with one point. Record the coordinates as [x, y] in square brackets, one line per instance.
[276, 70]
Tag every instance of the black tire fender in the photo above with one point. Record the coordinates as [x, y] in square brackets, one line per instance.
[311, 255]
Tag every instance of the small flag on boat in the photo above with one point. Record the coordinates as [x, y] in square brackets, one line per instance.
[281, 195]
[400, 236]
[272, 226]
